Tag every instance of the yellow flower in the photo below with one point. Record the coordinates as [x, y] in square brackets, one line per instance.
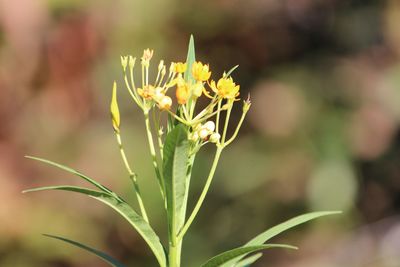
[225, 88]
[180, 67]
[200, 72]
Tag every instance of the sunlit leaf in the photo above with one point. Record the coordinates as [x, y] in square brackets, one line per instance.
[265, 236]
[70, 170]
[237, 252]
[249, 260]
[141, 226]
[176, 153]
[110, 260]
[190, 59]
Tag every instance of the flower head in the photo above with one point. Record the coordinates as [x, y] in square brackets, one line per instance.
[225, 88]
[200, 72]
[180, 67]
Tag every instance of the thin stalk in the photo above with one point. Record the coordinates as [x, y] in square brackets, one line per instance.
[228, 115]
[133, 178]
[153, 153]
[237, 129]
[203, 194]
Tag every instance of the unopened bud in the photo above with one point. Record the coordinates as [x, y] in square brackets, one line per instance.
[115, 117]
[124, 62]
[246, 104]
[203, 133]
[194, 136]
[214, 138]
[197, 89]
[210, 126]
[161, 65]
[165, 103]
[132, 61]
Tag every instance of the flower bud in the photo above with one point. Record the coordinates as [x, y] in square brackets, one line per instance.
[210, 126]
[214, 137]
[115, 117]
[194, 137]
[203, 133]
[161, 65]
[165, 103]
[132, 61]
[246, 104]
[124, 62]
[197, 89]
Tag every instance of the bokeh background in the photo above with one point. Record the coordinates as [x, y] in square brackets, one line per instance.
[323, 131]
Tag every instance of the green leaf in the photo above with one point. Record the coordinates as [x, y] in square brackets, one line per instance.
[190, 59]
[242, 251]
[141, 226]
[230, 71]
[265, 236]
[176, 154]
[70, 170]
[249, 260]
[98, 253]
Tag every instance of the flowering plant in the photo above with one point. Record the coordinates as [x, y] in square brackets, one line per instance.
[173, 148]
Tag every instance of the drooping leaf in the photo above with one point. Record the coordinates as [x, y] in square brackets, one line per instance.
[190, 59]
[176, 153]
[141, 226]
[110, 260]
[265, 236]
[249, 260]
[70, 170]
[242, 251]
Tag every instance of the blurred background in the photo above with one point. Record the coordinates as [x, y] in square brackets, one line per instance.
[322, 134]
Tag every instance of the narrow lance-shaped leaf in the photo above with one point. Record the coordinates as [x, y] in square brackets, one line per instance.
[270, 233]
[249, 260]
[141, 226]
[190, 59]
[70, 170]
[176, 153]
[231, 254]
[110, 260]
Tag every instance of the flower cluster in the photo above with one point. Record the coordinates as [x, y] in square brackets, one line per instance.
[185, 82]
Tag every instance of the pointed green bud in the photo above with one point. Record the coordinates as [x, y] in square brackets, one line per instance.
[114, 109]
[246, 104]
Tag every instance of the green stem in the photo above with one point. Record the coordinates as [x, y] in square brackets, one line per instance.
[237, 129]
[153, 153]
[133, 178]
[202, 195]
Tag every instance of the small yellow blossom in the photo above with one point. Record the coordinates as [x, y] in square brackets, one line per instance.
[200, 72]
[180, 67]
[225, 88]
